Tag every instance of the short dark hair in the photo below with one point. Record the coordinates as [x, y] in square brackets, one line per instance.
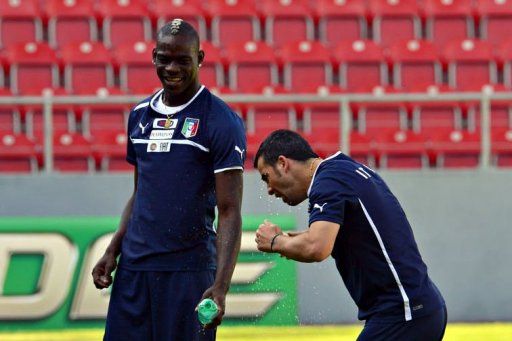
[284, 142]
[178, 26]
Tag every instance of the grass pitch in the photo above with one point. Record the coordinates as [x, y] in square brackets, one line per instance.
[454, 332]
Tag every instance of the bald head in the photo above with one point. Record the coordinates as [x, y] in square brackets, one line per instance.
[179, 27]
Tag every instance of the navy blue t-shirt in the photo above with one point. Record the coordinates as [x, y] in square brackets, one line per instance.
[177, 156]
[375, 251]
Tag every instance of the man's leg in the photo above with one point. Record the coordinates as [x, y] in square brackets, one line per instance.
[128, 315]
[174, 297]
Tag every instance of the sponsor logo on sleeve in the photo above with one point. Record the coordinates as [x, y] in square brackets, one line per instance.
[320, 207]
[159, 123]
[190, 127]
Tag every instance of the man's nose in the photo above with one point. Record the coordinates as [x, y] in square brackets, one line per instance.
[171, 66]
[270, 190]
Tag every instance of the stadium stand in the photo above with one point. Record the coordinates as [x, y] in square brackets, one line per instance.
[287, 46]
[72, 153]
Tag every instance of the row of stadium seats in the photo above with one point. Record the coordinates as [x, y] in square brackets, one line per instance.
[400, 150]
[356, 66]
[392, 135]
[276, 22]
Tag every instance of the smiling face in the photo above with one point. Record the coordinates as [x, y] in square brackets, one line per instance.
[177, 58]
[281, 181]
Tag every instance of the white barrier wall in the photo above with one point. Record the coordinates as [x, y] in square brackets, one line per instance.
[460, 220]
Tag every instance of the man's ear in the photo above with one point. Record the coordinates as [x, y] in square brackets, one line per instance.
[283, 162]
[200, 57]
[153, 55]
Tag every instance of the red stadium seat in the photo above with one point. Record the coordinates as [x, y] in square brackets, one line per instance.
[362, 149]
[72, 153]
[20, 22]
[504, 57]
[395, 20]
[87, 66]
[306, 65]
[287, 21]
[494, 16]
[416, 64]
[109, 150]
[402, 149]
[377, 119]
[471, 65]
[341, 20]
[448, 20]
[189, 10]
[456, 149]
[433, 118]
[99, 119]
[10, 119]
[252, 65]
[264, 118]
[17, 154]
[230, 16]
[33, 67]
[137, 74]
[124, 22]
[70, 22]
[64, 119]
[501, 147]
[212, 71]
[322, 127]
[361, 65]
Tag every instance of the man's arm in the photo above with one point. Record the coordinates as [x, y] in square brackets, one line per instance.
[102, 271]
[229, 187]
[313, 245]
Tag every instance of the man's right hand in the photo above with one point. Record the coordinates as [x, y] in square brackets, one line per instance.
[101, 274]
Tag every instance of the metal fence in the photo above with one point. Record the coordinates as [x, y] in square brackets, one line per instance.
[343, 100]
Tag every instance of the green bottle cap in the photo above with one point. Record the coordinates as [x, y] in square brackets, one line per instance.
[207, 310]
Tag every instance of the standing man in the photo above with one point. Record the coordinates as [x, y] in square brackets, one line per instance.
[188, 151]
[354, 217]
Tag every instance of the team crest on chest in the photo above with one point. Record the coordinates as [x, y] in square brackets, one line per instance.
[190, 127]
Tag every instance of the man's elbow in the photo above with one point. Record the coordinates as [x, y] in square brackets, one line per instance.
[318, 254]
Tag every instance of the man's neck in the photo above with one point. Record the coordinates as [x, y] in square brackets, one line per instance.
[174, 100]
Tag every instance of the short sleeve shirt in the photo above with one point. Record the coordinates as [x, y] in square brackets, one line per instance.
[177, 154]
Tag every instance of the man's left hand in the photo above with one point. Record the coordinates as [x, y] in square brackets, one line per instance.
[264, 235]
[219, 296]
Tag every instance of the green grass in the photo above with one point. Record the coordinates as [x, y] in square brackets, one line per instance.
[454, 332]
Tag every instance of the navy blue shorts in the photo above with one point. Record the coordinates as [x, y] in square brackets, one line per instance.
[157, 305]
[426, 328]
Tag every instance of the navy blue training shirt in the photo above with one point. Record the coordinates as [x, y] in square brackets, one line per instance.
[375, 251]
[177, 152]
